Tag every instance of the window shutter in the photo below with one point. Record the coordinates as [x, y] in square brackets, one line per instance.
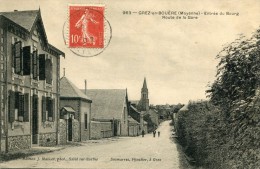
[16, 100]
[42, 67]
[86, 121]
[27, 60]
[43, 108]
[48, 71]
[13, 55]
[26, 108]
[35, 65]
[17, 57]
[53, 109]
[11, 106]
[20, 105]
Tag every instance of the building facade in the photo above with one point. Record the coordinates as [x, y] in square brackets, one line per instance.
[29, 82]
[75, 113]
[110, 105]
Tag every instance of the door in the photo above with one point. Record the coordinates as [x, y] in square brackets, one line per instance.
[115, 128]
[70, 129]
[35, 119]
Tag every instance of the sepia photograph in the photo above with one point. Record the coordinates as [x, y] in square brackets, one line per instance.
[94, 84]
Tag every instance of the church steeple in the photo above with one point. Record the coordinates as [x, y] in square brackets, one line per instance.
[144, 89]
[144, 102]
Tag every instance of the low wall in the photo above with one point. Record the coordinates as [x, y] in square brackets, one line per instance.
[62, 131]
[133, 130]
[47, 139]
[21, 142]
[101, 130]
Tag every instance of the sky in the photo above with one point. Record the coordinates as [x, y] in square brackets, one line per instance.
[177, 57]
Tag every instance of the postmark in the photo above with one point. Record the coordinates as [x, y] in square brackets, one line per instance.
[87, 32]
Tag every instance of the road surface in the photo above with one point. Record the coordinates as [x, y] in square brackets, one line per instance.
[123, 153]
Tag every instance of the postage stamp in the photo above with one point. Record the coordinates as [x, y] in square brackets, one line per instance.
[87, 32]
[86, 26]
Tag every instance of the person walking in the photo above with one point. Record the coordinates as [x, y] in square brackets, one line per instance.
[158, 133]
[154, 133]
[142, 133]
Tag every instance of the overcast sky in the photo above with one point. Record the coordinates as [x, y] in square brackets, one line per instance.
[177, 57]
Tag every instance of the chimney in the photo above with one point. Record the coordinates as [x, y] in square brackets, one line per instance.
[85, 87]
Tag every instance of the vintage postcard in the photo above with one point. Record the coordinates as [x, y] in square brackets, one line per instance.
[130, 84]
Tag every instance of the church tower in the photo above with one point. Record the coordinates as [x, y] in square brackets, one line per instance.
[144, 102]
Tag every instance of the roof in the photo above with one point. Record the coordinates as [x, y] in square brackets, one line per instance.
[107, 103]
[69, 90]
[69, 109]
[134, 101]
[144, 84]
[135, 109]
[131, 120]
[184, 108]
[27, 20]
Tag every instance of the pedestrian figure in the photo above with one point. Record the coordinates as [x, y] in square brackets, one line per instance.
[154, 133]
[142, 133]
[159, 134]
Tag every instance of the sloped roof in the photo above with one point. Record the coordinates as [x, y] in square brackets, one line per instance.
[132, 121]
[107, 103]
[144, 84]
[69, 109]
[69, 90]
[25, 19]
[184, 108]
[135, 109]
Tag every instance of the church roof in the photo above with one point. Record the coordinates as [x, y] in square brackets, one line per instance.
[107, 103]
[69, 90]
[144, 84]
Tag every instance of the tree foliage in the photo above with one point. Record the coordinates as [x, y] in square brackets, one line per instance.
[237, 73]
[227, 133]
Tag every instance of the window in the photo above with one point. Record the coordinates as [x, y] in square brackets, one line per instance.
[86, 121]
[48, 71]
[48, 109]
[27, 60]
[42, 75]
[17, 57]
[18, 106]
[35, 65]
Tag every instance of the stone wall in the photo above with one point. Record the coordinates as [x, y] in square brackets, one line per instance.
[62, 131]
[101, 130]
[133, 130]
[95, 130]
[47, 139]
[76, 127]
[19, 142]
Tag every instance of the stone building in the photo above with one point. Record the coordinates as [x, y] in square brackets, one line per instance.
[29, 82]
[75, 113]
[139, 117]
[109, 105]
[133, 127]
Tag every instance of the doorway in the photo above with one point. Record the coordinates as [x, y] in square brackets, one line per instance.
[70, 129]
[35, 119]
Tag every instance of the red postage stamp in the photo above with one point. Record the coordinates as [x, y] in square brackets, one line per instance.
[86, 26]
